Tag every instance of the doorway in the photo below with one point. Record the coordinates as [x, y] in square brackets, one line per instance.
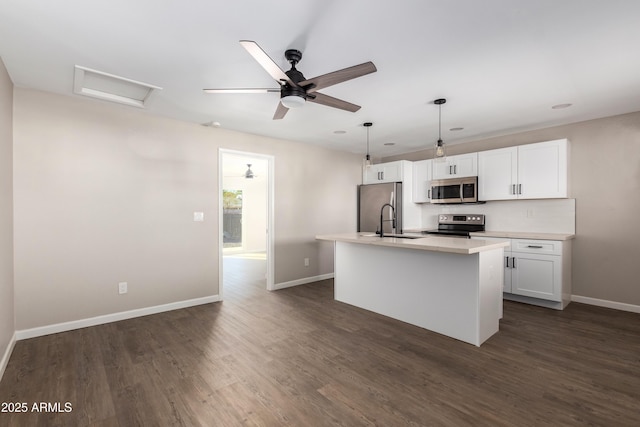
[246, 220]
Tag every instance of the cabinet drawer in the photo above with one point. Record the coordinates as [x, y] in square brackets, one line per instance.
[548, 247]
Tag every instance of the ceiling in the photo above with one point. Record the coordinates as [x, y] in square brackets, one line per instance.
[501, 64]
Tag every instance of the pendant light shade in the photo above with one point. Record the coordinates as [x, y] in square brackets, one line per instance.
[367, 159]
[439, 149]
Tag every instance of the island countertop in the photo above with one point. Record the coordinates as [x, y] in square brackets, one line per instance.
[429, 243]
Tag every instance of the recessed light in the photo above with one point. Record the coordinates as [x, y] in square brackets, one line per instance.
[561, 106]
[339, 132]
[455, 129]
[211, 124]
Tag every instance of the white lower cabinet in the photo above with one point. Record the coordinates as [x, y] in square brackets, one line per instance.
[536, 276]
[537, 271]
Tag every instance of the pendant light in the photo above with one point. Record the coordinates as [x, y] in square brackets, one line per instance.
[367, 159]
[440, 151]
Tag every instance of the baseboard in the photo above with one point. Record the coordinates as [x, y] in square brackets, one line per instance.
[7, 355]
[114, 317]
[302, 281]
[605, 303]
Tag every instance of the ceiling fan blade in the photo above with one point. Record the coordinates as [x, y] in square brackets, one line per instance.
[239, 90]
[280, 111]
[339, 76]
[266, 62]
[330, 101]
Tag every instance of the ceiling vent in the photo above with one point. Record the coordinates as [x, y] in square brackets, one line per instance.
[97, 84]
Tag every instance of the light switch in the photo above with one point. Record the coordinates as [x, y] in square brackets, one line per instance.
[198, 216]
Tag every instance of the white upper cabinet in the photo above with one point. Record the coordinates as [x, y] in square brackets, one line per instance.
[421, 178]
[497, 174]
[542, 170]
[459, 166]
[532, 171]
[383, 172]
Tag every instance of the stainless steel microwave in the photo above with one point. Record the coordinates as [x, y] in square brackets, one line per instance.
[454, 190]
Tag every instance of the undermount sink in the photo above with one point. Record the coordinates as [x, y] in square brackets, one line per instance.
[397, 236]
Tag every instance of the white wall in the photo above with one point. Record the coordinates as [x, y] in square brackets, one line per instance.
[7, 322]
[106, 193]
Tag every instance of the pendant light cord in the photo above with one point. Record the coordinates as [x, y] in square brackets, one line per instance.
[368, 140]
[439, 122]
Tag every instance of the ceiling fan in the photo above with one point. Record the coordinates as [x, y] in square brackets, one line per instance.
[295, 89]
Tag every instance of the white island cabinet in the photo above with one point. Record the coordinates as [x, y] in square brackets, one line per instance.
[447, 285]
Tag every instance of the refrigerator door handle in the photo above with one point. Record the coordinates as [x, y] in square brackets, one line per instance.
[392, 212]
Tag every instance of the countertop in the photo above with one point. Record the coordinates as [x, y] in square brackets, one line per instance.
[514, 235]
[427, 243]
[524, 235]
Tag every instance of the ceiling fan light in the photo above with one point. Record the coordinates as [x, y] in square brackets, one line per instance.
[292, 101]
[249, 173]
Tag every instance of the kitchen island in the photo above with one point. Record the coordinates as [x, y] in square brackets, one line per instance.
[448, 285]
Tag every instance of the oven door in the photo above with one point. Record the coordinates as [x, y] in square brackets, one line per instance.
[455, 190]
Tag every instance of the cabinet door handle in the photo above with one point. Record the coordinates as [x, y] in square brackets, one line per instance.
[507, 261]
[455, 169]
[450, 173]
[513, 189]
[535, 246]
[513, 262]
[519, 188]
[382, 175]
[428, 193]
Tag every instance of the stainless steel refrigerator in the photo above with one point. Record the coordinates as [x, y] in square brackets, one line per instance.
[371, 198]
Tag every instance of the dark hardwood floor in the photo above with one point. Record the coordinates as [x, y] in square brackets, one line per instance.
[296, 357]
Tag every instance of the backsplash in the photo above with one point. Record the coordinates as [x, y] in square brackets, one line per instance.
[543, 216]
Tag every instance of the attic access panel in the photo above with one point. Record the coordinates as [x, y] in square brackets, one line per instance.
[109, 87]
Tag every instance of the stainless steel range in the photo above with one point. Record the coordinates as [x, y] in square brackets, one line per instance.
[459, 225]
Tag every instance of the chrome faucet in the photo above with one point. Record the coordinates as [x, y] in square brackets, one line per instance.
[382, 220]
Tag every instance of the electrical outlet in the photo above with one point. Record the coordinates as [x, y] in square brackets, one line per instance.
[122, 287]
[306, 262]
[198, 216]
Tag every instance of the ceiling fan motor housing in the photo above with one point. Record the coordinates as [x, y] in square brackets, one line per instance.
[288, 90]
[293, 56]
